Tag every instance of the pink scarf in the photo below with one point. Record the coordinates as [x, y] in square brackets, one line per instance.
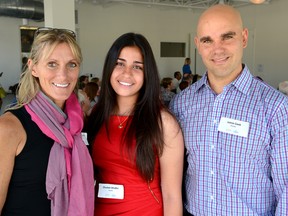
[69, 177]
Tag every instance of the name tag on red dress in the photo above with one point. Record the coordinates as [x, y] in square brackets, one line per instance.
[111, 191]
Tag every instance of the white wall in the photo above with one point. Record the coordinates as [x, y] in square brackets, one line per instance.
[271, 43]
[99, 26]
[103, 25]
[10, 50]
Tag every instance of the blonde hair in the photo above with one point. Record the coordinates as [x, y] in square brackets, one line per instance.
[42, 47]
[187, 61]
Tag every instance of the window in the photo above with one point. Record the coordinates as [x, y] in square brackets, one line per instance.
[172, 49]
[27, 37]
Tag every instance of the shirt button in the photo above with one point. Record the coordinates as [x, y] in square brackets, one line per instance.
[212, 146]
[212, 172]
[215, 121]
[212, 197]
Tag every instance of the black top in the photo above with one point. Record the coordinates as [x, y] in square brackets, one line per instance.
[27, 193]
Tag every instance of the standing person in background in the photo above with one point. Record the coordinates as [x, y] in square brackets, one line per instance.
[235, 128]
[137, 145]
[45, 167]
[186, 69]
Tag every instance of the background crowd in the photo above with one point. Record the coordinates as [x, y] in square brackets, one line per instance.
[180, 145]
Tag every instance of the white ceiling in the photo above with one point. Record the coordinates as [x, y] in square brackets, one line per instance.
[189, 4]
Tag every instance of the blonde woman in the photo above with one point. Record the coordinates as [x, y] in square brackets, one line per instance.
[45, 168]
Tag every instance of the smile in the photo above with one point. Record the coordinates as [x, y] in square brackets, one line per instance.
[125, 84]
[60, 85]
[220, 60]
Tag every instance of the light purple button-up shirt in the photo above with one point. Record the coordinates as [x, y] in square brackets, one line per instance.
[230, 174]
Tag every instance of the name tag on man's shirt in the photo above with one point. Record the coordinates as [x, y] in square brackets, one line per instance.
[233, 126]
[112, 191]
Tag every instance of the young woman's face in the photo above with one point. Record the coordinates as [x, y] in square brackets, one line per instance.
[57, 74]
[128, 75]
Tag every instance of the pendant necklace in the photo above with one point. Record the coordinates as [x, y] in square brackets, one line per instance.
[120, 126]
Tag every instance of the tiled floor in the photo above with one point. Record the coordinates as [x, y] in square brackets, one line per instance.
[6, 102]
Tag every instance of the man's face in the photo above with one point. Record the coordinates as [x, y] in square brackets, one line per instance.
[220, 41]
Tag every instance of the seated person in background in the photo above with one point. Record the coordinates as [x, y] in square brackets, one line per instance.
[95, 80]
[166, 93]
[98, 81]
[83, 100]
[184, 84]
[91, 90]
[176, 81]
[82, 96]
[188, 78]
[195, 78]
[82, 81]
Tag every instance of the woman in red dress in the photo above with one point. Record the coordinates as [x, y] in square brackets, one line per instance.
[137, 144]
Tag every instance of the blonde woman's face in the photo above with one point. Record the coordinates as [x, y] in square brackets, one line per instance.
[57, 74]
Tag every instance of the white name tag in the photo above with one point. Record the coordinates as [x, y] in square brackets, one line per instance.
[233, 126]
[112, 191]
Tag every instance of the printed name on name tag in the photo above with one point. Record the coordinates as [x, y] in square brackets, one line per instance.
[233, 126]
[112, 191]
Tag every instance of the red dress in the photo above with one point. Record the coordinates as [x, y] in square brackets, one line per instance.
[113, 167]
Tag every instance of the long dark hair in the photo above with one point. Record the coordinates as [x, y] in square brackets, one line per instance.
[146, 124]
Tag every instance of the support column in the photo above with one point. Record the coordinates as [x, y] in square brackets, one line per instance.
[59, 14]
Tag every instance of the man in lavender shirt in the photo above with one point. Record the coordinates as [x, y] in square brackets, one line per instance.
[235, 128]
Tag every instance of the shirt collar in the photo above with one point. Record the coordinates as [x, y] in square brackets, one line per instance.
[242, 82]
[203, 82]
